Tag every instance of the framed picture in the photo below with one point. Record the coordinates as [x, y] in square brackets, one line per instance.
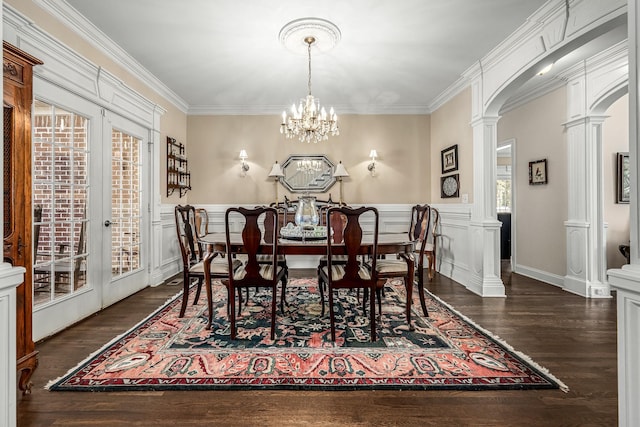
[538, 172]
[449, 159]
[622, 179]
[450, 186]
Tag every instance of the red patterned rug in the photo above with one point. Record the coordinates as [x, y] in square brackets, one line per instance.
[445, 351]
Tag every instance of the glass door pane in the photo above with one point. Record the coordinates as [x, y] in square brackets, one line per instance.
[60, 197]
[126, 203]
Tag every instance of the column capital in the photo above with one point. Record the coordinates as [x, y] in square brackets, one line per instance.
[492, 120]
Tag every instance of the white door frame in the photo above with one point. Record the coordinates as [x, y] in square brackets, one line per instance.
[115, 289]
[56, 315]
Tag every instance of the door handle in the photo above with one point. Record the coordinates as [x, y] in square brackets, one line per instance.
[108, 223]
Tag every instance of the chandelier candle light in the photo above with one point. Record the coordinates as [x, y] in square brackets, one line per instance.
[309, 121]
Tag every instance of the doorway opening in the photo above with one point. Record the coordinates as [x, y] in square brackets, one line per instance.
[504, 204]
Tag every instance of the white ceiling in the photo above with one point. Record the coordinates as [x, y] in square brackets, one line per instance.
[224, 56]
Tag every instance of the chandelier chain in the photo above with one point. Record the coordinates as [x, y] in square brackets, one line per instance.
[309, 52]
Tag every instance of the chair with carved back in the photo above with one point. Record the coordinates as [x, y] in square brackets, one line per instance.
[422, 228]
[253, 274]
[353, 274]
[202, 222]
[192, 255]
[273, 224]
[336, 223]
[399, 267]
[431, 247]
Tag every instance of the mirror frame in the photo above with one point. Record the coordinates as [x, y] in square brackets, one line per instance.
[308, 187]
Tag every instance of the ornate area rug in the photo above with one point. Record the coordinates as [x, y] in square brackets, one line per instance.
[445, 351]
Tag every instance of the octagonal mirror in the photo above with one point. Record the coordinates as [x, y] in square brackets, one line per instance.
[307, 173]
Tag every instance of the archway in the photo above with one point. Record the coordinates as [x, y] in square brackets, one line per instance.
[556, 34]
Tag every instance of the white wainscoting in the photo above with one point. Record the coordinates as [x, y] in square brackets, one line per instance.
[453, 243]
[626, 281]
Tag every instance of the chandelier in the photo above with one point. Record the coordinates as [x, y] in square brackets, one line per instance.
[309, 121]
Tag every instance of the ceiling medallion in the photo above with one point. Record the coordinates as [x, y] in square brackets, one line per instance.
[309, 122]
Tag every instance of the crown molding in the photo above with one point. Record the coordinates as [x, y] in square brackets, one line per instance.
[65, 68]
[502, 50]
[449, 93]
[70, 17]
[267, 110]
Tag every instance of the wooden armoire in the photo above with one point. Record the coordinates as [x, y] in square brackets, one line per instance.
[17, 72]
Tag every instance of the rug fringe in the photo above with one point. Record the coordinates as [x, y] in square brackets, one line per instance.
[502, 342]
[104, 347]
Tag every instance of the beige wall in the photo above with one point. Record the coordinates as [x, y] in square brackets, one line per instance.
[615, 138]
[450, 125]
[541, 209]
[172, 123]
[402, 143]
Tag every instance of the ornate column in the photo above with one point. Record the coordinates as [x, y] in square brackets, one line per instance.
[484, 229]
[627, 279]
[585, 233]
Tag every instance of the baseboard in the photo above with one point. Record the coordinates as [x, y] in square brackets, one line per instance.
[542, 276]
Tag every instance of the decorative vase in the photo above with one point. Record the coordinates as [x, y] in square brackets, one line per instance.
[307, 213]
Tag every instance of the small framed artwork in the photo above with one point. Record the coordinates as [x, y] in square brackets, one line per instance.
[449, 159]
[450, 186]
[622, 178]
[538, 172]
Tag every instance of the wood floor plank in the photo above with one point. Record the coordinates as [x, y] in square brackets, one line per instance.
[573, 337]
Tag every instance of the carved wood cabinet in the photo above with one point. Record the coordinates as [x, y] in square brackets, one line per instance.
[17, 71]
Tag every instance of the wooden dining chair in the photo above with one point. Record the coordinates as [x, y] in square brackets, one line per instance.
[336, 222]
[254, 243]
[422, 229]
[202, 222]
[352, 274]
[431, 247]
[217, 270]
[401, 266]
[192, 255]
[274, 224]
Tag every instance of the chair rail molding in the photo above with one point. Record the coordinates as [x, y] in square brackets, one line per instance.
[452, 259]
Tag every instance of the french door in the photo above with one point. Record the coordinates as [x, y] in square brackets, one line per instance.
[125, 213]
[88, 170]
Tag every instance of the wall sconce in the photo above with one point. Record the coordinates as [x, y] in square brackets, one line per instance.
[245, 166]
[372, 166]
[340, 173]
[277, 173]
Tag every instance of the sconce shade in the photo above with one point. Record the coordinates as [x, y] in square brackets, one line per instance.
[243, 154]
[340, 171]
[276, 170]
[373, 154]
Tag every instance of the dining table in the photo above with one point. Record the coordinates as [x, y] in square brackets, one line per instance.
[388, 244]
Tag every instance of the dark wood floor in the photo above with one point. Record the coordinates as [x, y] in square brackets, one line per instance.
[574, 337]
